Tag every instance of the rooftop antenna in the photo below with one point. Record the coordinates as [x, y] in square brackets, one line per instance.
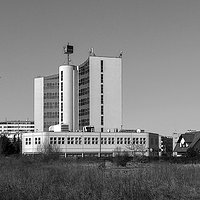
[68, 50]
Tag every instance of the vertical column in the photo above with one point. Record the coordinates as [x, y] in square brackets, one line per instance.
[75, 99]
[66, 95]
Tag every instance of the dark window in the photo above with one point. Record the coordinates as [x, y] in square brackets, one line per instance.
[101, 66]
[101, 120]
[101, 110]
[61, 106]
[61, 75]
[101, 99]
[101, 88]
[61, 117]
[61, 96]
[101, 78]
[61, 86]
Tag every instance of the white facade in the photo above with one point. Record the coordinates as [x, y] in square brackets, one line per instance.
[81, 143]
[66, 95]
[39, 103]
[110, 88]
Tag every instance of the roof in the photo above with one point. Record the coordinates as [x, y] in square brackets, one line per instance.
[188, 137]
[180, 149]
[196, 139]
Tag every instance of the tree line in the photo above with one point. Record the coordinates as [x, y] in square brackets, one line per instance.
[8, 147]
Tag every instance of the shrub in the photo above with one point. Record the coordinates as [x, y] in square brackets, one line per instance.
[121, 160]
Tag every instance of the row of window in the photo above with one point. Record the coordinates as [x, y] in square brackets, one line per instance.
[83, 81]
[51, 85]
[17, 122]
[51, 114]
[51, 105]
[84, 112]
[83, 101]
[84, 91]
[84, 69]
[89, 140]
[57, 140]
[50, 95]
[16, 127]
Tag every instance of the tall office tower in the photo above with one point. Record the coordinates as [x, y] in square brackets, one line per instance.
[87, 95]
[100, 93]
[46, 102]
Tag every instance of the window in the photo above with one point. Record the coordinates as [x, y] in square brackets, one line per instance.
[117, 140]
[101, 110]
[102, 120]
[61, 86]
[61, 106]
[101, 99]
[113, 140]
[37, 141]
[61, 117]
[51, 140]
[101, 78]
[72, 140]
[61, 96]
[54, 140]
[101, 129]
[101, 66]
[28, 141]
[101, 88]
[61, 75]
[68, 140]
[125, 140]
[61, 140]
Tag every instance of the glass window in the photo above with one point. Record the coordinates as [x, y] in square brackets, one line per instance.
[101, 99]
[101, 120]
[61, 75]
[101, 66]
[101, 88]
[101, 78]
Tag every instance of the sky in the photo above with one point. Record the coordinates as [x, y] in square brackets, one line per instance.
[160, 40]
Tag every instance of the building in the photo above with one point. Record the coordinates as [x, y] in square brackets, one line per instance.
[46, 102]
[92, 143]
[185, 141]
[166, 146]
[13, 128]
[86, 95]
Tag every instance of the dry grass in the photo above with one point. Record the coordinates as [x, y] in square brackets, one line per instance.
[31, 180]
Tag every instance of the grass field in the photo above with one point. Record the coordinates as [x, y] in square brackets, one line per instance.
[28, 179]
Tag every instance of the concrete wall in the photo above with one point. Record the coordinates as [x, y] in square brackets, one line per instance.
[112, 94]
[39, 104]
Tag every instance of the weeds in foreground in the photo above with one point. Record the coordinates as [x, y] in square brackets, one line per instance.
[30, 180]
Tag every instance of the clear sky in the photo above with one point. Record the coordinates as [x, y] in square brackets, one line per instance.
[161, 61]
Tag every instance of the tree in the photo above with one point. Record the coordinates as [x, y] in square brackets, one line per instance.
[191, 153]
